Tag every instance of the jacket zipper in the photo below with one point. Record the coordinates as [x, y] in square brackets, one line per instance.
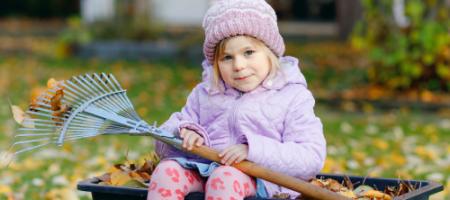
[234, 113]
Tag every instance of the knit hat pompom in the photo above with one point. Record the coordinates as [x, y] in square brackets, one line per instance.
[228, 18]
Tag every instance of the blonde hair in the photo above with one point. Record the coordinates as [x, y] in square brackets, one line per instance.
[220, 49]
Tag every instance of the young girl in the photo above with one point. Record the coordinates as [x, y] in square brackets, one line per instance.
[252, 104]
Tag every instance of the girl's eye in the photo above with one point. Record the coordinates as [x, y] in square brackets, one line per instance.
[227, 57]
[249, 52]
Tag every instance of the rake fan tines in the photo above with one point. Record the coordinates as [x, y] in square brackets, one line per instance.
[84, 106]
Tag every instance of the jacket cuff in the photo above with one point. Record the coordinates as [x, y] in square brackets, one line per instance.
[197, 128]
[255, 148]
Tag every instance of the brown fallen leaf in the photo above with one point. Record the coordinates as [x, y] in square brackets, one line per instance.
[106, 178]
[334, 185]
[55, 101]
[130, 174]
[145, 176]
[51, 83]
[136, 176]
[120, 178]
[21, 117]
[375, 194]
[347, 193]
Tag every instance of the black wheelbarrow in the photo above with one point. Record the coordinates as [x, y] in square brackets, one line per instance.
[424, 189]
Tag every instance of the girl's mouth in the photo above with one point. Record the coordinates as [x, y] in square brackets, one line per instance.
[241, 78]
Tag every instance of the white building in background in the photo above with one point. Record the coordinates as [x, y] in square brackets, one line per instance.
[180, 12]
[95, 10]
[169, 12]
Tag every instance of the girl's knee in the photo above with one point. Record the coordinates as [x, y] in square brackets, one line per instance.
[226, 171]
[170, 179]
[168, 168]
[231, 182]
[224, 175]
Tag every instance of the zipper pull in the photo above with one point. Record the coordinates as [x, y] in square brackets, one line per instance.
[240, 94]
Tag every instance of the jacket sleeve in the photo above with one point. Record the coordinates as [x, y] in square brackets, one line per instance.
[302, 149]
[188, 118]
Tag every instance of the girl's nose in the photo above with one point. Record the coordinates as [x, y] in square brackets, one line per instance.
[238, 64]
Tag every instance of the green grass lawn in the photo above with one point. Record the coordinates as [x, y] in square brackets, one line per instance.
[408, 144]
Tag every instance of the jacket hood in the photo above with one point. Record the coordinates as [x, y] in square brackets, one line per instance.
[289, 73]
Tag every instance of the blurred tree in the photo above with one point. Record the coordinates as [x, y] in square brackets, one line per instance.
[408, 43]
[39, 8]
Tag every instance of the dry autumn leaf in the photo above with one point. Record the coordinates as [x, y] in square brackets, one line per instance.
[51, 83]
[52, 96]
[35, 94]
[145, 175]
[55, 101]
[362, 191]
[113, 169]
[21, 117]
[136, 176]
[375, 194]
[135, 184]
[18, 114]
[40, 92]
[348, 194]
[120, 178]
[106, 178]
[130, 174]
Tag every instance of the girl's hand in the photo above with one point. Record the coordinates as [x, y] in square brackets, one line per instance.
[234, 154]
[190, 138]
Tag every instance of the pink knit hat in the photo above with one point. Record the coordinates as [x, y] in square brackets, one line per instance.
[227, 18]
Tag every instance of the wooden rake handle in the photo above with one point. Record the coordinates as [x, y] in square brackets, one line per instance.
[307, 189]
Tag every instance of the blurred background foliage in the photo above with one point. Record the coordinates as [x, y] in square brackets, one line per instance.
[412, 55]
[39, 9]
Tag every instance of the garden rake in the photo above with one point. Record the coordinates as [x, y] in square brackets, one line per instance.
[95, 104]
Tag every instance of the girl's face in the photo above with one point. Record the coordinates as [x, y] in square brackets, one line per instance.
[244, 64]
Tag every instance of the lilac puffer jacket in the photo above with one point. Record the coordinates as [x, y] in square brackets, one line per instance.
[276, 120]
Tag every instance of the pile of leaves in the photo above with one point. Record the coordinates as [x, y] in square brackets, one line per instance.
[361, 192]
[130, 174]
[51, 95]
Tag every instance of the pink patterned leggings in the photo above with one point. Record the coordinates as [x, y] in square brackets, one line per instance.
[171, 181]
